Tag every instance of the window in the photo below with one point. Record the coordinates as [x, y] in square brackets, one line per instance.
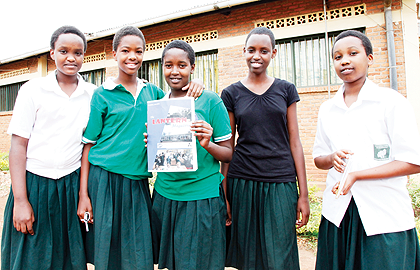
[206, 69]
[303, 61]
[8, 94]
[152, 72]
[97, 77]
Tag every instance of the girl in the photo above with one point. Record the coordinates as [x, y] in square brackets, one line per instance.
[371, 225]
[117, 194]
[261, 178]
[41, 228]
[189, 210]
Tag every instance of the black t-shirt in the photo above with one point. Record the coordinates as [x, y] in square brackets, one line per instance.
[262, 152]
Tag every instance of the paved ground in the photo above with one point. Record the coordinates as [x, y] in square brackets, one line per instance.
[306, 257]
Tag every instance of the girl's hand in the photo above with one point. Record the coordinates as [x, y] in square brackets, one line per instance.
[337, 159]
[351, 179]
[195, 88]
[302, 211]
[145, 136]
[84, 206]
[23, 217]
[145, 139]
[229, 214]
[203, 132]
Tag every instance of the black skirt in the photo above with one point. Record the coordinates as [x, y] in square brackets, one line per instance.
[57, 242]
[189, 234]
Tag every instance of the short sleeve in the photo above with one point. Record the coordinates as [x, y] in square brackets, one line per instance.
[403, 131]
[220, 121]
[24, 112]
[155, 89]
[96, 118]
[227, 98]
[292, 94]
[321, 144]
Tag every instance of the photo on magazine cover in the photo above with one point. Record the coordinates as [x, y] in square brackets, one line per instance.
[171, 146]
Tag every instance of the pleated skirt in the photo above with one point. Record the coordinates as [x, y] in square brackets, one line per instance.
[189, 235]
[348, 247]
[57, 242]
[263, 231]
[120, 237]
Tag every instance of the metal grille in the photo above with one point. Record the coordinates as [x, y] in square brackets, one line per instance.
[8, 94]
[206, 69]
[303, 61]
[97, 77]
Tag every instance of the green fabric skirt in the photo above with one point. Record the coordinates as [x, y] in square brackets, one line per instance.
[263, 231]
[348, 247]
[120, 237]
[57, 242]
[189, 234]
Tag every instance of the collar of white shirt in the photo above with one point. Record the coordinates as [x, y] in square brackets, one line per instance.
[51, 84]
[368, 92]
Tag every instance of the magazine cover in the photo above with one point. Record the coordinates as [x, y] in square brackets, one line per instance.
[170, 142]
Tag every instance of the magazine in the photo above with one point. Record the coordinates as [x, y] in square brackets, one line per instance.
[171, 146]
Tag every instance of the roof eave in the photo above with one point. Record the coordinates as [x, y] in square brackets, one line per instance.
[147, 22]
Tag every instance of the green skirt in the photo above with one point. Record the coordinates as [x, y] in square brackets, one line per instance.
[348, 247]
[120, 237]
[57, 242]
[189, 234]
[263, 231]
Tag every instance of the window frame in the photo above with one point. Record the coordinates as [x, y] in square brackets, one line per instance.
[8, 96]
[296, 63]
[145, 74]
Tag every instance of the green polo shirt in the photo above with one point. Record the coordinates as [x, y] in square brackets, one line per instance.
[204, 182]
[116, 126]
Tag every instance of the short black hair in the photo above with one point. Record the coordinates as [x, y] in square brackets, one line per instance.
[354, 33]
[127, 31]
[262, 31]
[67, 29]
[182, 45]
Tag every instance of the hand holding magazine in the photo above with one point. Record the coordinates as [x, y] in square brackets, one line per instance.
[171, 146]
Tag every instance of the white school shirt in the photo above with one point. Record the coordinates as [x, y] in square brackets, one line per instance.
[54, 124]
[379, 127]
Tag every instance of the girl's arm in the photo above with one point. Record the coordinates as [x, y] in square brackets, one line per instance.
[84, 200]
[23, 214]
[225, 166]
[221, 151]
[302, 211]
[393, 169]
[333, 160]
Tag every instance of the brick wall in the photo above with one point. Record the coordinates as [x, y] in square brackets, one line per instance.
[111, 72]
[5, 118]
[232, 66]
[30, 63]
[100, 46]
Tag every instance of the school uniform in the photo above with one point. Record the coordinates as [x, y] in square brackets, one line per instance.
[372, 227]
[54, 124]
[120, 237]
[189, 209]
[261, 180]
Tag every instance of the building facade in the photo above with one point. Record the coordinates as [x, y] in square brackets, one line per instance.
[217, 33]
